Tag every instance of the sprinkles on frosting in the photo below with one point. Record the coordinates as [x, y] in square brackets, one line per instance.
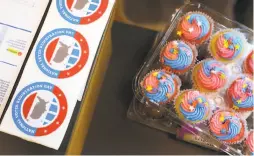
[192, 106]
[227, 126]
[159, 87]
[226, 45]
[240, 94]
[209, 75]
[178, 56]
[195, 27]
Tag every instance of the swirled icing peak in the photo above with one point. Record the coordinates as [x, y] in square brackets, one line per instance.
[227, 45]
[159, 87]
[248, 63]
[227, 126]
[240, 94]
[250, 142]
[192, 106]
[209, 75]
[177, 55]
[194, 27]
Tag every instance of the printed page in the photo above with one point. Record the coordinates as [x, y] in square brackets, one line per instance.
[19, 20]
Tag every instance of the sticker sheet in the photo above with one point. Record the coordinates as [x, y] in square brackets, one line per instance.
[57, 70]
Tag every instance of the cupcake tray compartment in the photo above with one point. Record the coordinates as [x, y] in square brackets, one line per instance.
[164, 117]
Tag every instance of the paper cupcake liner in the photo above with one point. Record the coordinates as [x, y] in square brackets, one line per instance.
[243, 121]
[195, 85]
[177, 87]
[245, 69]
[213, 53]
[183, 71]
[230, 103]
[180, 116]
[244, 66]
[205, 38]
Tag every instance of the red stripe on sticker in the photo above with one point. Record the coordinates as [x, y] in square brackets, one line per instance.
[28, 104]
[51, 48]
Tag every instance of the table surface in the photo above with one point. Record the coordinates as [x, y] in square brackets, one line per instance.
[111, 132]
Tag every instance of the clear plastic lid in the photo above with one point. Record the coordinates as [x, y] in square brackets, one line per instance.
[233, 71]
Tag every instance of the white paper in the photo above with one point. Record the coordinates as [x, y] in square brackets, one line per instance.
[38, 111]
[19, 20]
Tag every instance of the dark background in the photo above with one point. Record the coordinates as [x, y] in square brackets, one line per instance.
[110, 131]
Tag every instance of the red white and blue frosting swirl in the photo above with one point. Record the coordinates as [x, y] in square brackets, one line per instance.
[227, 45]
[227, 126]
[210, 75]
[194, 27]
[192, 106]
[240, 94]
[159, 87]
[177, 55]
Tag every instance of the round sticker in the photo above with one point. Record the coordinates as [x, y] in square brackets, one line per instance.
[62, 53]
[81, 11]
[39, 109]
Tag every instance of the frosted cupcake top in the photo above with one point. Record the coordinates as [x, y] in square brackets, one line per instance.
[194, 27]
[192, 106]
[177, 55]
[159, 87]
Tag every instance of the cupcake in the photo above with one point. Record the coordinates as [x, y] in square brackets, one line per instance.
[195, 27]
[240, 94]
[209, 76]
[192, 106]
[227, 45]
[178, 56]
[249, 142]
[227, 126]
[248, 63]
[160, 87]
